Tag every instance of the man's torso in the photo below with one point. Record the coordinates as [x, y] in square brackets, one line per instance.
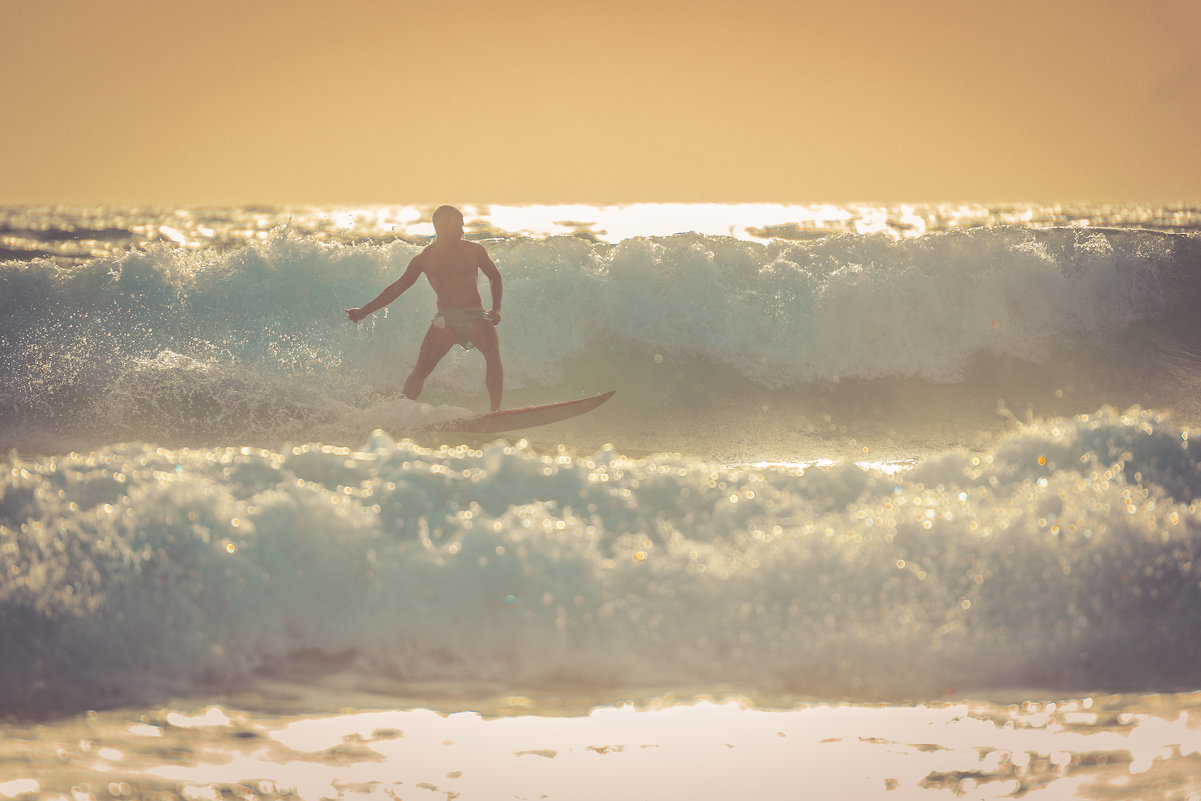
[452, 269]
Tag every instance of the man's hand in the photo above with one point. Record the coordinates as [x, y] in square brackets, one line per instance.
[494, 316]
[355, 314]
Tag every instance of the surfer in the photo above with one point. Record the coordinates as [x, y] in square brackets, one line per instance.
[452, 266]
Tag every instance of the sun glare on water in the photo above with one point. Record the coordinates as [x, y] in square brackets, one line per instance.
[732, 750]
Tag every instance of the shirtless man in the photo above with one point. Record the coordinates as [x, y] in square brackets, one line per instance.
[451, 265]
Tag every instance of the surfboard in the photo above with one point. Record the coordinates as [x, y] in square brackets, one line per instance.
[527, 417]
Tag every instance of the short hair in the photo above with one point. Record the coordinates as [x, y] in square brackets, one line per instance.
[446, 213]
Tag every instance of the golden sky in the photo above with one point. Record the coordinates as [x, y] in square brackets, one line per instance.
[391, 101]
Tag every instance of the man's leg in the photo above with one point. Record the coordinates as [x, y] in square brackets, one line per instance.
[483, 336]
[437, 342]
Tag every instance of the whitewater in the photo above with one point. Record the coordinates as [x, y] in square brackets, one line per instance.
[906, 495]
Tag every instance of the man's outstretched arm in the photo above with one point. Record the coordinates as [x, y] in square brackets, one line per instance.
[390, 293]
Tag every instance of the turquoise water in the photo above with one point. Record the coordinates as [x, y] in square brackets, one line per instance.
[856, 456]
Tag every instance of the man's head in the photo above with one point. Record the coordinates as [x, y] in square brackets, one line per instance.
[448, 222]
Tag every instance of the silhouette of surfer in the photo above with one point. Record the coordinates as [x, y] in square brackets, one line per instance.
[452, 266]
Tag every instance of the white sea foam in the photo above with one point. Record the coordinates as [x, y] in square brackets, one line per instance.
[1063, 555]
[1066, 557]
[253, 341]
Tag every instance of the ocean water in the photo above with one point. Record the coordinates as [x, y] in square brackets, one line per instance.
[890, 501]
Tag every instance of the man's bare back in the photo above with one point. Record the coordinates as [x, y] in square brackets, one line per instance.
[452, 270]
[452, 266]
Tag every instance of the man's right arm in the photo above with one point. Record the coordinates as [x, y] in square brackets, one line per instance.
[390, 293]
[488, 267]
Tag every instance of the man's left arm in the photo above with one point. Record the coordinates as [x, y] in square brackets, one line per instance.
[488, 267]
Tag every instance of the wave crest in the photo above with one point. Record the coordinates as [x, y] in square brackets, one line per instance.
[1067, 556]
[782, 315]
